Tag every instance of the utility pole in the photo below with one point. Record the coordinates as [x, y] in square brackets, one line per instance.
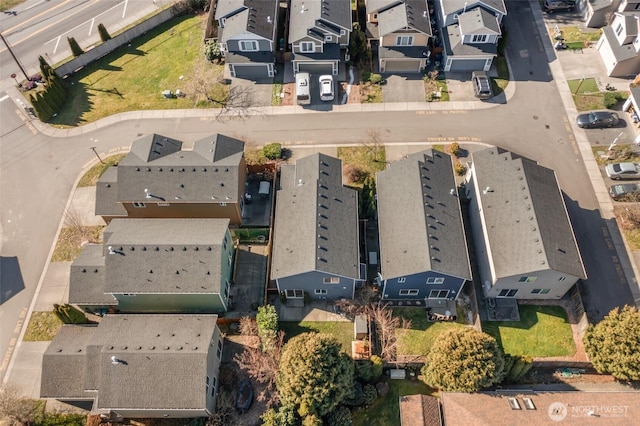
[6, 43]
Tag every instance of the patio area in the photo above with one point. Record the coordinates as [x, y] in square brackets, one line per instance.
[502, 309]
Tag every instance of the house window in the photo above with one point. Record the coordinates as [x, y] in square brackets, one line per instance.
[540, 291]
[230, 257]
[527, 279]
[404, 41]
[331, 280]
[320, 291]
[479, 38]
[226, 290]
[224, 245]
[619, 29]
[294, 294]
[248, 45]
[343, 32]
[163, 204]
[438, 294]
[402, 279]
[128, 294]
[213, 386]
[139, 205]
[562, 278]
[307, 47]
[508, 293]
[408, 292]
[328, 38]
[219, 350]
[223, 204]
[207, 385]
[435, 280]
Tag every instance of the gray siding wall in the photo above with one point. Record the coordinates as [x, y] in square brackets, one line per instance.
[227, 262]
[482, 257]
[171, 303]
[159, 414]
[556, 283]
[312, 281]
[213, 369]
[263, 45]
[392, 287]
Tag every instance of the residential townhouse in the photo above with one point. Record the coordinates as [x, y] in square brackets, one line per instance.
[316, 237]
[319, 34]
[156, 266]
[619, 45]
[400, 31]
[525, 246]
[137, 366]
[159, 179]
[470, 31]
[247, 32]
[423, 248]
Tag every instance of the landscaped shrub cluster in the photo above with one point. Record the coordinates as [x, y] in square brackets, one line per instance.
[272, 151]
[47, 102]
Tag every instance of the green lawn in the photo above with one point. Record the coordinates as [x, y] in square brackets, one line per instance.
[573, 34]
[542, 331]
[93, 174]
[169, 57]
[579, 86]
[342, 330]
[386, 411]
[587, 95]
[419, 339]
[43, 326]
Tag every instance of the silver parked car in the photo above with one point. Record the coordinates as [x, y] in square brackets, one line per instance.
[623, 171]
[326, 88]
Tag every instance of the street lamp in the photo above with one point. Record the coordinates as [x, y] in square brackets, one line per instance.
[14, 77]
[93, 148]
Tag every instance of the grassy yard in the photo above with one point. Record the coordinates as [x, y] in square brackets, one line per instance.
[133, 77]
[386, 411]
[370, 93]
[587, 95]
[93, 174]
[71, 239]
[623, 153]
[9, 4]
[43, 326]
[502, 80]
[431, 87]
[420, 337]
[628, 218]
[368, 158]
[573, 34]
[543, 331]
[342, 330]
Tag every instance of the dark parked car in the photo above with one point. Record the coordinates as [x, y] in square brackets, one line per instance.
[551, 6]
[625, 192]
[597, 119]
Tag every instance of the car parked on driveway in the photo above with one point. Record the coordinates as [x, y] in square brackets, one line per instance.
[625, 192]
[595, 119]
[623, 171]
[326, 88]
[481, 85]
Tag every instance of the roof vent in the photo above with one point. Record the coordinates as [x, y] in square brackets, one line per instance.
[111, 250]
[487, 189]
[116, 361]
[269, 20]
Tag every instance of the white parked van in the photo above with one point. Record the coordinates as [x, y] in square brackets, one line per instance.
[303, 94]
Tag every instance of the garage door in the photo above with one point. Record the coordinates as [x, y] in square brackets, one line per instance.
[251, 72]
[402, 66]
[324, 68]
[467, 64]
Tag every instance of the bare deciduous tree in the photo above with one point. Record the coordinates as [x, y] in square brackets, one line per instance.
[386, 325]
[225, 411]
[15, 408]
[263, 367]
[248, 327]
[205, 86]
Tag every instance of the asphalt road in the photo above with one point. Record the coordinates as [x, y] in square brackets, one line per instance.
[38, 172]
[41, 27]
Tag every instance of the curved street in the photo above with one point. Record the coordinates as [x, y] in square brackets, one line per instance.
[39, 165]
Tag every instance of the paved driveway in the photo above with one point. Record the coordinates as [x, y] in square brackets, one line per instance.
[403, 88]
[260, 91]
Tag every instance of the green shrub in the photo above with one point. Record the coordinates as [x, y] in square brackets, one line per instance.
[375, 78]
[460, 169]
[611, 99]
[378, 364]
[454, 149]
[357, 395]
[341, 416]
[272, 151]
[370, 394]
[212, 50]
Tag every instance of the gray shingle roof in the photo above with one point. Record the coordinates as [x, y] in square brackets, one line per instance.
[325, 14]
[63, 363]
[420, 221]
[208, 172]
[451, 6]
[107, 195]
[316, 220]
[378, 5]
[620, 52]
[329, 52]
[87, 278]
[404, 52]
[248, 16]
[479, 21]
[453, 45]
[527, 225]
[164, 255]
[412, 14]
[163, 361]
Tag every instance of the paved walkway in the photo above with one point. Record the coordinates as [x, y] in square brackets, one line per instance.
[24, 368]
